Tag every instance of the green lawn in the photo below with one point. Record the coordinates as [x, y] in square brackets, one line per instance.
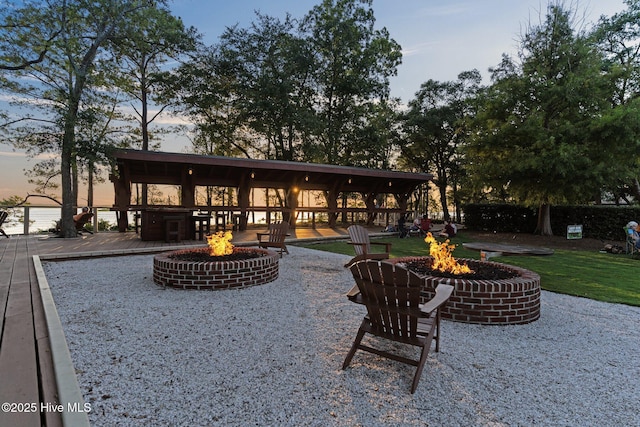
[589, 274]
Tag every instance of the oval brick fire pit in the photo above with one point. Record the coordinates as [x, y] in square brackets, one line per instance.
[215, 275]
[489, 302]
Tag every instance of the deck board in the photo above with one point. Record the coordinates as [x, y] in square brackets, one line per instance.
[18, 370]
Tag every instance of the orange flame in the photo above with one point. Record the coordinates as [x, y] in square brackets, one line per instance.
[220, 243]
[443, 260]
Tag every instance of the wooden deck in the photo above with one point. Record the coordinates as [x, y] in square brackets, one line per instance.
[35, 368]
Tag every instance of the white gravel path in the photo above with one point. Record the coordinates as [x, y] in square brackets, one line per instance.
[271, 355]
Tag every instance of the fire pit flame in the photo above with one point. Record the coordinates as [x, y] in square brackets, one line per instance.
[443, 259]
[220, 243]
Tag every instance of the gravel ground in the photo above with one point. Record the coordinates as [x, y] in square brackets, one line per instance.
[271, 355]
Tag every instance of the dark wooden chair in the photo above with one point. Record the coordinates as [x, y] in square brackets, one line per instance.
[3, 218]
[359, 239]
[81, 221]
[274, 238]
[392, 296]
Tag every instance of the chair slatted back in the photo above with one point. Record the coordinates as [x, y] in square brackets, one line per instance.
[278, 231]
[84, 218]
[391, 294]
[358, 234]
[3, 216]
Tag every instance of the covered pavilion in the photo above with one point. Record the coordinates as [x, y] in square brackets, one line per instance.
[189, 171]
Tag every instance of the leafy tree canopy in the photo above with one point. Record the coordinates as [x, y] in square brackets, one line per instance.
[546, 131]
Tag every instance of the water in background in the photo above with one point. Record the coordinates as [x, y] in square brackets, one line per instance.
[43, 219]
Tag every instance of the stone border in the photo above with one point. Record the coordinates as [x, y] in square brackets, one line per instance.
[69, 393]
[488, 302]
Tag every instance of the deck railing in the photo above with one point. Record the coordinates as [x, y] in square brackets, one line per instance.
[35, 219]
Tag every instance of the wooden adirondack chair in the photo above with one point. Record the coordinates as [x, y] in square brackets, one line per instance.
[362, 245]
[3, 217]
[392, 296]
[81, 221]
[275, 237]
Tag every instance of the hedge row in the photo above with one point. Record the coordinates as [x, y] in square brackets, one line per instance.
[598, 222]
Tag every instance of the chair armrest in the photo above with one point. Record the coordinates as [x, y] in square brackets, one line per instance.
[353, 291]
[443, 292]
[354, 295]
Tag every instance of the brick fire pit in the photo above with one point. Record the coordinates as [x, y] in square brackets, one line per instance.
[489, 302]
[215, 275]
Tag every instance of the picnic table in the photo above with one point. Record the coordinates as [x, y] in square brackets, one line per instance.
[499, 249]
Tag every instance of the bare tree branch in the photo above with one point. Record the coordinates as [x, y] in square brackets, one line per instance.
[38, 195]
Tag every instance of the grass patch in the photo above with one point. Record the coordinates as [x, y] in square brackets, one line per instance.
[603, 277]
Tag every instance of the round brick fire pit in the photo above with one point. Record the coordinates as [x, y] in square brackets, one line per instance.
[215, 275]
[489, 302]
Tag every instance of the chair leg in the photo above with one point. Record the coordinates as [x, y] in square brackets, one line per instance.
[435, 333]
[354, 348]
[423, 358]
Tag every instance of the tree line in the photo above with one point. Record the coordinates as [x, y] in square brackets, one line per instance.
[558, 122]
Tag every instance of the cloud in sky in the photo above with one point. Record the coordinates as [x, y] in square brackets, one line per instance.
[23, 155]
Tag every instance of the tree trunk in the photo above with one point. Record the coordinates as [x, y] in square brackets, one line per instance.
[90, 186]
[67, 226]
[443, 201]
[544, 220]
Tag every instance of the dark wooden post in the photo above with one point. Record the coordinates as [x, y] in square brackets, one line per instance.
[370, 203]
[188, 199]
[291, 204]
[122, 190]
[332, 204]
[244, 191]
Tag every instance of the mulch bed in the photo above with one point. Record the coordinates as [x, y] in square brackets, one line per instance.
[525, 239]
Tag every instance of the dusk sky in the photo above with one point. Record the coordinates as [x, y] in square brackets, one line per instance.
[438, 39]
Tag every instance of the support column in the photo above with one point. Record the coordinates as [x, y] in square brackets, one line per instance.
[370, 203]
[122, 190]
[188, 186]
[332, 203]
[291, 204]
[244, 191]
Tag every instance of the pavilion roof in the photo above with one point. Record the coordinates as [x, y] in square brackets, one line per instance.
[153, 167]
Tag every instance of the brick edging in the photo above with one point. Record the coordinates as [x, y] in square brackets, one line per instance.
[215, 275]
[488, 302]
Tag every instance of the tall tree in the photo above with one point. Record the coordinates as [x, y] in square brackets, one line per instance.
[353, 62]
[547, 132]
[205, 90]
[69, 67]
[435, 130]
[618, 37]
[141, 55]
[270, 67]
